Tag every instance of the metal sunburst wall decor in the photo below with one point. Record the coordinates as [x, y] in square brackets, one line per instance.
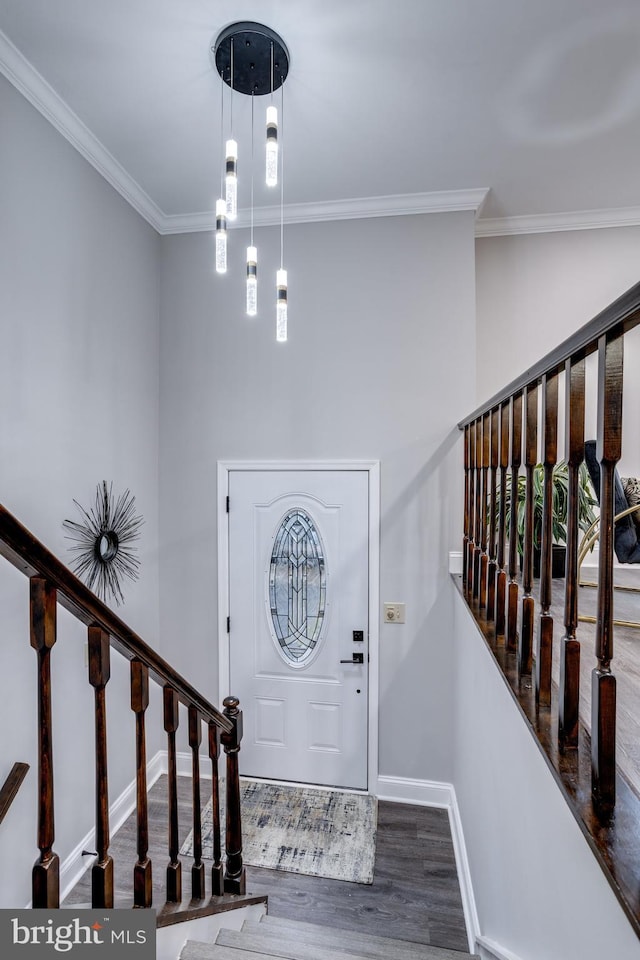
[103, 548]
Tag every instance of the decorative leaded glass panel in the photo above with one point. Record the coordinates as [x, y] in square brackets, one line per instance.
[297, 586]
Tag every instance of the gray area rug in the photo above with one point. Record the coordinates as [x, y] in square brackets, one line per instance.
[323, 833]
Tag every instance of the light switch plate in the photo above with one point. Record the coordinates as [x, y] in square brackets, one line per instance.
[393, 612]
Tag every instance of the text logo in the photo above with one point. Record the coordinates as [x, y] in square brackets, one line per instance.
[79, 934]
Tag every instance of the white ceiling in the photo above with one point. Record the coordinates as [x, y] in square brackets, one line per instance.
[538, 101]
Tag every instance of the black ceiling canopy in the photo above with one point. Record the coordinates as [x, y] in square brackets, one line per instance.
[253, 44]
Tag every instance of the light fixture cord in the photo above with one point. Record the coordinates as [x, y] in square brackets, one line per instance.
[281, 176]
[231, 85]
[252, 139]
[272, 71]
[222, 148]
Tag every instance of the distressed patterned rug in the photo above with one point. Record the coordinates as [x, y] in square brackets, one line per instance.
[323, 833]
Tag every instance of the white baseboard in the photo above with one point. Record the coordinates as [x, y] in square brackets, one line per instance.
[455, 561]
[427, 793]
[490, 950]
[431, 793]
[184, 760]
[73, 866]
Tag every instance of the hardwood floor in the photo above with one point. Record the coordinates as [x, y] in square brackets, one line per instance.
[415, 894]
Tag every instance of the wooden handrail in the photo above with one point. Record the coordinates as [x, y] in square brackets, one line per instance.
[603, 336]
[27, 554]
[619, 317]
[11, 786]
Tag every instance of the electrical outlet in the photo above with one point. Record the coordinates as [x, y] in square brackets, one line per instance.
[393, 613]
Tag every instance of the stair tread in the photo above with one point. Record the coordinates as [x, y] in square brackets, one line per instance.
[332, 934]
[196, 950]
[298, 944]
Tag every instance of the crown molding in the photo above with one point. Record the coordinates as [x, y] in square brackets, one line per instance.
[558, 222]
[359, 208]
[25, 78]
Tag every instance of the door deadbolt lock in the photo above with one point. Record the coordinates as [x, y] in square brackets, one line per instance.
[356, 658]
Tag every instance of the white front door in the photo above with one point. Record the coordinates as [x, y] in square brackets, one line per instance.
[298, 606]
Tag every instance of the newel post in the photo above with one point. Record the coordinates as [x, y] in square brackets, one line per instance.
[235, 876]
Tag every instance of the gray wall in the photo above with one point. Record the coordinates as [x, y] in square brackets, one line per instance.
[78, 404]
[538, 888]
[379, 365]
[534, 291]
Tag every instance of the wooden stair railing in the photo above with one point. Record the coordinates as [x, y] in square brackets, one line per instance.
[504, 433]
[10, 787]
[52, 583]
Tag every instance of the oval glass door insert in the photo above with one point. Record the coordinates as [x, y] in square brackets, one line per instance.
[297, 587]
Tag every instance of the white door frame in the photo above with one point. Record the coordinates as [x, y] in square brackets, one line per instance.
[373, 469]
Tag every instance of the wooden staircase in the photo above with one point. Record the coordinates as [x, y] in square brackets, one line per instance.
[296, 940]
[52, 584]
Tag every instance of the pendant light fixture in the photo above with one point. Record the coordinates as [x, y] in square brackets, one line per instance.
[253, 60]
[271, 167]
[221, 236]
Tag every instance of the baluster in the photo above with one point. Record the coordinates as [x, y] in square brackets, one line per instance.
[217, 877]
[99, 673]
[483, 516]
[501, 580]
[472, 510]
[544, 647]
[569, 645]
[525, 647]
[171, 721]
[235, 875]
[477, 550]
[197, 870]
[492, 566]
[603, 682]
[465, 526]
[142, 873]
[516, 460]
[46, 870]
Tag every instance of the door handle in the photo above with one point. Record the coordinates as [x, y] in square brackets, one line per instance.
[356, 658]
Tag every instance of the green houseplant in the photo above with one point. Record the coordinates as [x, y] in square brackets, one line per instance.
[586, 515]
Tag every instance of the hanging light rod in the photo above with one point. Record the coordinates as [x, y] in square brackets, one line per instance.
[252, 65]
